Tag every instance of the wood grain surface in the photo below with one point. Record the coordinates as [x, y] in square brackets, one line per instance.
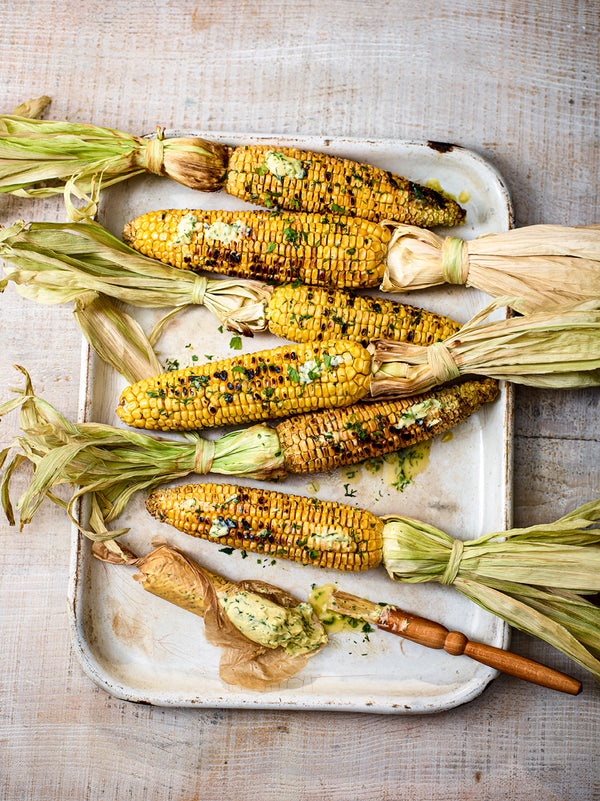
[518, 82]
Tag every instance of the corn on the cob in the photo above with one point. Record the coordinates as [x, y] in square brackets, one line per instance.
[258, 386]
[313, 314]
[289, 178]
[313, 248]
[80, 159]
[309, 531]
[313, 443]
[111, 463]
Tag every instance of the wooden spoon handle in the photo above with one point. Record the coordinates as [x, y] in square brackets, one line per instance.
[434, 635]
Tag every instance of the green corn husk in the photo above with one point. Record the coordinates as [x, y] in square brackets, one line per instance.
[559, 349]
[533, 578]
[42, 158]
[110, 464]
[540, 267]
[61, 262]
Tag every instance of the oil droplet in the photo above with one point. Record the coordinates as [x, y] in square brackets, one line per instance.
[313, 487]
[447, 436]
[433, 183]
[464, 196]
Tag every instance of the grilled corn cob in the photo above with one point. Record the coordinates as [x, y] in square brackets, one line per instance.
[313, 314]
[289, 178]
[111, 463]
[80, 159]
[310, 531]
[258, 386]
[313, 443]
[313, 248]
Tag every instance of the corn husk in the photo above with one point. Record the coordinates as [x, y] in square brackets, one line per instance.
[33, 109]
[173, 576]
[540, 267]
[559, 349]
[58, 263]
[534, 578]
[43, 158]
[109, 464]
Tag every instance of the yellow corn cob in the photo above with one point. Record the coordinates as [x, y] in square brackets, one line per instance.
[306, 530]
[312, 443]
[335, 185]
[250, 387]
[312, 314]
[312, 248]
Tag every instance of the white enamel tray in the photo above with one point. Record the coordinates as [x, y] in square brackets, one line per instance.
[141, 648]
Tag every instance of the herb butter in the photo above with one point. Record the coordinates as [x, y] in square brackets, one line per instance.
[267, 623]
[311, 370]
[283, 166]
[224, 232]
[426, 410]
[186, 229]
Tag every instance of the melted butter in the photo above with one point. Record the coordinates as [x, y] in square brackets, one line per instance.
[464, 196]
[333, 622]
[433, 183]
[398, 469]
[313, 487]
[447, 436]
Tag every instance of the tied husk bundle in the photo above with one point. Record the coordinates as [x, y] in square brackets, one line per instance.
[110, 464]
[539, 267]
[61, 262]
[84, 263]
[559, 349]
[41, 158]
[533, 578]
[173, 576]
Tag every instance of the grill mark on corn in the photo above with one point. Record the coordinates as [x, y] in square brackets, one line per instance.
[313, 314]
[313, 248]
[337, 185]
[313, 443]
[273, 524]
[270, 385]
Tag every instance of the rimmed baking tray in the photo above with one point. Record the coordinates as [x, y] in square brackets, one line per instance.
[143, 649]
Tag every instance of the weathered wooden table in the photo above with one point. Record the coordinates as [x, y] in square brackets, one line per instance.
[517, 83]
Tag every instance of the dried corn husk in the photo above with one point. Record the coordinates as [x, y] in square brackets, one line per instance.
[534, 578]
[32, 109]
[540, 267]
[110, 464]
[557, 349]
[172, 575]
[61, 262]
[43, 158]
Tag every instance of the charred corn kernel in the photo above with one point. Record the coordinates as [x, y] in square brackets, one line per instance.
[313, 248]
[288, 178]
[250, 387]
[312, 443]
[306, 530]
[312, 314]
